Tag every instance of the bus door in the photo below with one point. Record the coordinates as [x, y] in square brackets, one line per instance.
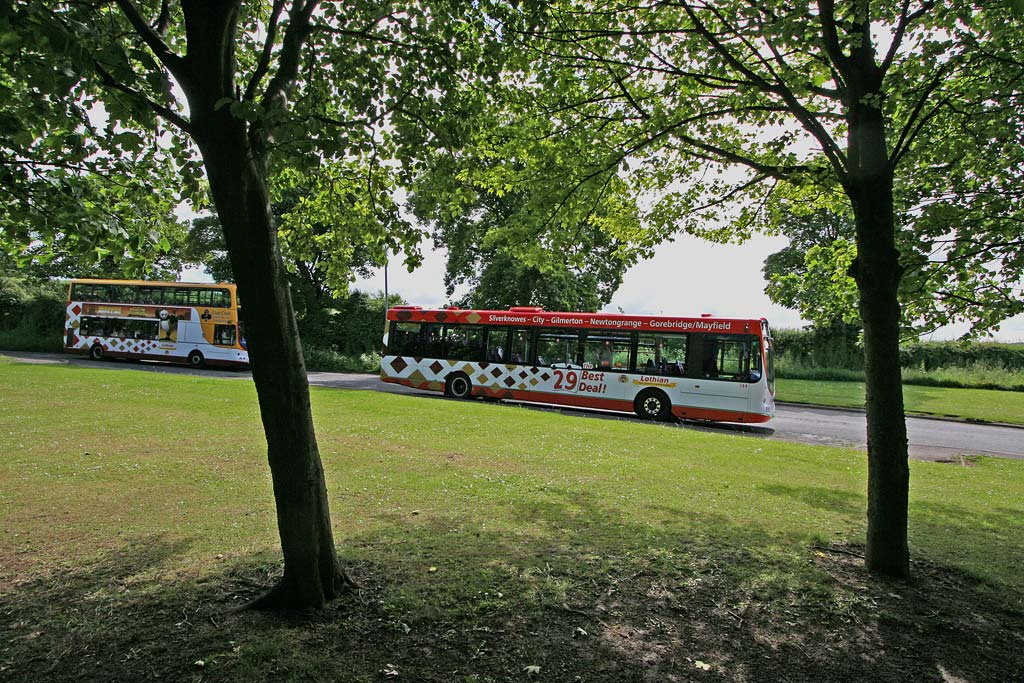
[719, 372]
[557, 356]
[606, 362]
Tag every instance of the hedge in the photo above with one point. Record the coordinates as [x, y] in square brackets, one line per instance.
[838, 348]
[32, 314]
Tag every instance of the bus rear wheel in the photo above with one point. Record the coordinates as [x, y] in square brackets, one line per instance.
[196, 360]
[96, 352]
[457, 385]
[653, 404]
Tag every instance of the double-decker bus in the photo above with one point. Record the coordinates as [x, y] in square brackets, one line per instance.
[176, 322]
[705, 368]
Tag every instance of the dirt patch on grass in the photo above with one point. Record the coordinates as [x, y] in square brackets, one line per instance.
[573, 618]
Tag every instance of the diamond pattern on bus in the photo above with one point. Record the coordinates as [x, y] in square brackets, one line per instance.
[399, 364]
[473, 318]
[436, 367]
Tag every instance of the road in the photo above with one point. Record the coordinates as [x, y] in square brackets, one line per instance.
[930, 438]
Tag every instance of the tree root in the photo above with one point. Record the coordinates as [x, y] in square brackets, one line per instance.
[288, 596]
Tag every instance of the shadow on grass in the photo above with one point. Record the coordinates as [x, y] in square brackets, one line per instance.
[821, 498]
[574, 589]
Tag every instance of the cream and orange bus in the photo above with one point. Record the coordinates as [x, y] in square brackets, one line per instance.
[177, 322]
[704, 368]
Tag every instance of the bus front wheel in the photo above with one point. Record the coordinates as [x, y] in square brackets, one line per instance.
[195, 359]
[458, 386]
[96, 352]
[653, 404]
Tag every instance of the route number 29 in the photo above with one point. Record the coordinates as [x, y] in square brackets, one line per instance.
[566, 380]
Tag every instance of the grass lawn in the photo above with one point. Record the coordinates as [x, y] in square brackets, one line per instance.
[972, 404]
[492, 542]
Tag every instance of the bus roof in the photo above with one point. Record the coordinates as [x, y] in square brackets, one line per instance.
[529, 316]
[147, 283]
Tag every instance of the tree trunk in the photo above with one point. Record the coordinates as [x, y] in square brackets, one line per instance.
[312, 573]
[877, 271]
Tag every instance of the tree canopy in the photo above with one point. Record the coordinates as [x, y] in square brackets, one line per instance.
[233, 97]
[717, 118]
[727, 117]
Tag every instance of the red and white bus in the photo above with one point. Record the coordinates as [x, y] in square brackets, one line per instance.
[176, 322]
[706, 368]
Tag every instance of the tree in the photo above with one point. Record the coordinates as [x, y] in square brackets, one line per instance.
[728, 113]
[811, 273]
[502, 269]
[68, 205]
[495, 197]
[267, 85]
[334, 222]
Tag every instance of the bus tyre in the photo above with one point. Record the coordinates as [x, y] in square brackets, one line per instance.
[195, 359]
[653, 404]
[457, 385]
[96, 352]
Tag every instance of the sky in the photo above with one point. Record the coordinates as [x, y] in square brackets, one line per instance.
[686, 277]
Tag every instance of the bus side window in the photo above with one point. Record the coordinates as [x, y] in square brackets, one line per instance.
[662, 354]
[432, 341]
[464, 342]
[519, 346]
[726, 357]
[558, 347]
[224, 335]
[606, 351]
[755, 359]
[404, 339]
[497, 343]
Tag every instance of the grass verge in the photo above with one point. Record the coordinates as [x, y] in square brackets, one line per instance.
[494, 543]
[971, 404]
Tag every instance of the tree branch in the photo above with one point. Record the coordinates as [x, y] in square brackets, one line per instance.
[173, 62]
[807, 119]
[915, 123]
[906, 18]
[268, 49]
[291, 49]
[172, 116]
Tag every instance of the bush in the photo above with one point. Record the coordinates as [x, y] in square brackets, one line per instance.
[929, 356]
[836, 346]
[833, 354]
[32, 314]
[355, 326]
[329, 360]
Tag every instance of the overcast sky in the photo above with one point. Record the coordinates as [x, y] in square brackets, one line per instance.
[685, 278]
